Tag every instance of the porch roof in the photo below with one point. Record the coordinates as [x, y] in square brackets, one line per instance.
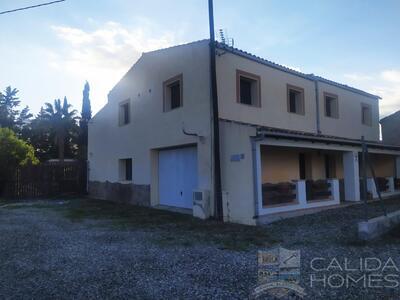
[310, 136]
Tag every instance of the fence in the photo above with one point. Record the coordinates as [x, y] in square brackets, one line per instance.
[45, 180]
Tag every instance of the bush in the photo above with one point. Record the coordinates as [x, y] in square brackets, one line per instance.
[14, 152]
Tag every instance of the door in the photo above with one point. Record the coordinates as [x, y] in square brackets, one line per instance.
[177, 176]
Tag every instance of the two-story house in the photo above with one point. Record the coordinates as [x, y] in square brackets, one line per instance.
[289, 141]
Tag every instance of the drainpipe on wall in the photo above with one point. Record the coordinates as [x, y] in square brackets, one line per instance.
[255, 176]
[317, 105]
[218, 209]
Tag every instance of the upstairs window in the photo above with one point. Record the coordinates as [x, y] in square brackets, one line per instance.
[124, 113]
[248, 88]
[331, 105]
[173, 93]
[125, 169]
[295, 99]
[366, 114]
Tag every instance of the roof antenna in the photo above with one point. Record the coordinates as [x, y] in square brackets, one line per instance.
[225, 39]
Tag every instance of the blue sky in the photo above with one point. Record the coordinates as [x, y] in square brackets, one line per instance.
[49, 52]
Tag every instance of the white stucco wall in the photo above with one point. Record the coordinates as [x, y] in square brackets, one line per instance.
[150, 127]
[237, 176]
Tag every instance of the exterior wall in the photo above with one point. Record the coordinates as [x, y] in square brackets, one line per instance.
[118, 192]
[151, 128]
[238, 176]
[279, 164]
[273, 110]
[349, 123]
[390, 129]
[317, 165]
[339, 166]
[384, 165]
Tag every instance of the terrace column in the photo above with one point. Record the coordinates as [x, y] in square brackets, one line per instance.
[351, 176]
[390, 184]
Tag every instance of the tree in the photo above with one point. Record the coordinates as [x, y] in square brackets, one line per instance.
[8, 107]
[41, 137]
[10, 116]
[62, 123]
[86, 115]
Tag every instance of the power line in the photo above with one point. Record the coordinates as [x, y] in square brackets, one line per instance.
[28, 7]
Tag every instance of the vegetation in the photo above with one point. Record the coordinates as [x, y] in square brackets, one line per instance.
[14, 151]
[61, 123]
[55, 132]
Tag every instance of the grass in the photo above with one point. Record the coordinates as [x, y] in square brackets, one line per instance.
[176, 228]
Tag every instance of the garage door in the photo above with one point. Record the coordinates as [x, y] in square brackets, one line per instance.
[177, 175]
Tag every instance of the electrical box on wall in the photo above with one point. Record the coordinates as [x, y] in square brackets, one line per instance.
[201, 204]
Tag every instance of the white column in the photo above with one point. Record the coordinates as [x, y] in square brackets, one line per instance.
[371, 187]
[334, 189]
[390, 184]
[351, 176]
[301, 192]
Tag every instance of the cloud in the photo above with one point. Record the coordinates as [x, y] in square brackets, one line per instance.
[357, 77]
[104, 54]
[391, 75]
[385, 84]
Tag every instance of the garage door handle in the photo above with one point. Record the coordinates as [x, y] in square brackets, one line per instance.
[181, 193]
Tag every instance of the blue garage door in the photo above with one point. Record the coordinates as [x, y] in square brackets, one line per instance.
[177, 175]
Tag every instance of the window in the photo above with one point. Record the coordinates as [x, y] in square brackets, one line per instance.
[124, 113]
[366, 114]
[125, 169]
[248, 89]
[173, 93]
[331, 105]
[295, 99]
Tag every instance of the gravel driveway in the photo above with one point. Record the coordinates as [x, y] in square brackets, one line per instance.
[81, 249]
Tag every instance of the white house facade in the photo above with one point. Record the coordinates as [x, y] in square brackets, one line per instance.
[289, 141]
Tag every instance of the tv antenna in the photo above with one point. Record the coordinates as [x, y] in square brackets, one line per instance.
[225, 39]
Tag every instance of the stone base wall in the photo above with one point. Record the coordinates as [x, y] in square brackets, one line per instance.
[138, 194]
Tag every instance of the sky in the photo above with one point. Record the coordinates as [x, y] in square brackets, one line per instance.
[49, 52]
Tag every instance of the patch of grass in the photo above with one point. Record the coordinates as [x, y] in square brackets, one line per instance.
[176, 228]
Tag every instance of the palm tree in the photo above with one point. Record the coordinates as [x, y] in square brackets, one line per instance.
[61, 121]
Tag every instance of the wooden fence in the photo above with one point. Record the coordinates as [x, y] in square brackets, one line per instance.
[45, 180]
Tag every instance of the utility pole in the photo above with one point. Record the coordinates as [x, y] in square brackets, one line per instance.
[218, 210]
